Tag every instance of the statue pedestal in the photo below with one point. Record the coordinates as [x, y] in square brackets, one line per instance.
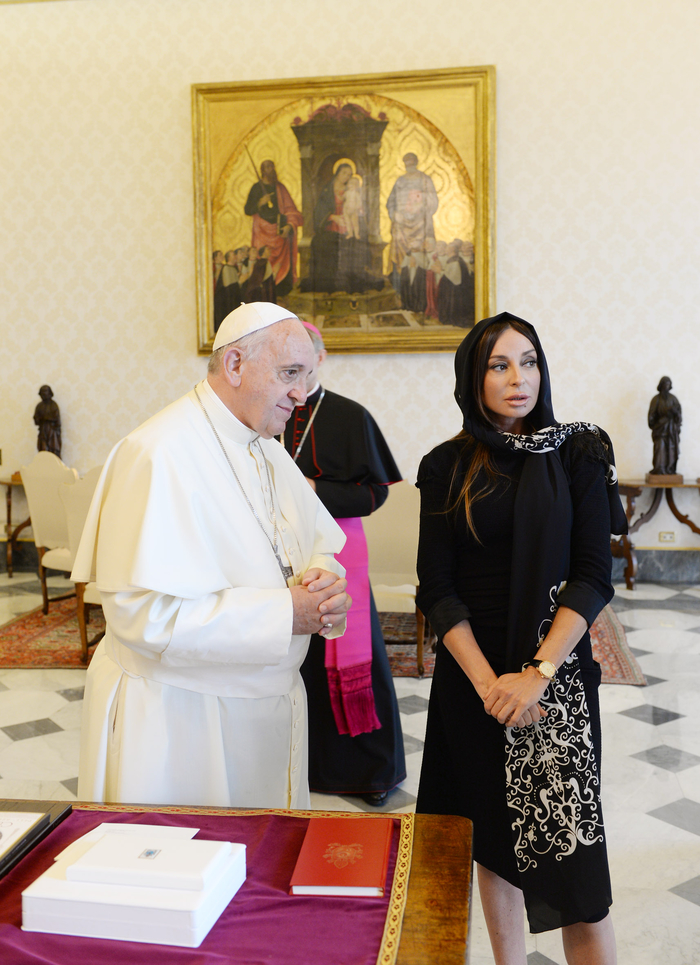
[672, 479]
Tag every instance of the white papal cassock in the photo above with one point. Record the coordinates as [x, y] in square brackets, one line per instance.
[194, 696]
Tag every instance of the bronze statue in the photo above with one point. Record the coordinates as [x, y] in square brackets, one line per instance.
[47, 416]
[665, 424]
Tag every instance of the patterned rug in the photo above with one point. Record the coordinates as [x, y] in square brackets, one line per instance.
[608, 639]
[48, 642]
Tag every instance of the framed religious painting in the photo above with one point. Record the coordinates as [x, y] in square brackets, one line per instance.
[364, 204]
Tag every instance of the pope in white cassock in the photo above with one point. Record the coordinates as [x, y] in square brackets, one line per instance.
[214, 560]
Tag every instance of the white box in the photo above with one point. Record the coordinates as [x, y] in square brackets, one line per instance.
[150, 861]
[166, 916]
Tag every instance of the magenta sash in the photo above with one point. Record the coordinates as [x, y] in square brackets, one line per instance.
[349, 658]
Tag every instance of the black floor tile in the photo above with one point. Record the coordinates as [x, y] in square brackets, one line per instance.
[537, 958]
[690, 890]
[651, 715]
[411, 744]
[71, 785]
[412, 704]
[653, 680]
[73, 693]
[31, 728]
[683, 813]
[668, 758]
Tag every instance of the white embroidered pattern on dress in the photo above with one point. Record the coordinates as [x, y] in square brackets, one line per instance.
[552, 784]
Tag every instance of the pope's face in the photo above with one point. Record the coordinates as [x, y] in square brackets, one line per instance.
[274, 380]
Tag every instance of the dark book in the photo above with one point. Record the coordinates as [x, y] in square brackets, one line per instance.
[341, 856]
[23, 824]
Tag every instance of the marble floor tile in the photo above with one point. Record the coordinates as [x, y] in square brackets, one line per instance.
[53, 757]
[690, 890]
[31, 728]
[669, 758]
[15, 605]
[20, 706]
[48, 680]
[17, 578]
[537, 958]
[684, 814]
[411, 744]
[664, 619]
[655, 928]
[651, 714]
[414, 724]
[412, 704]
[30, 790]
[670, 641]
[644, 591]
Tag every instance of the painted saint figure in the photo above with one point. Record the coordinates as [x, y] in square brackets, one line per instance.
[47, 416]
[411, 205]
[275, 222]
[665, 423]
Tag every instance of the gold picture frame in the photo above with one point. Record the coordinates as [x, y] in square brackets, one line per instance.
[365, 204]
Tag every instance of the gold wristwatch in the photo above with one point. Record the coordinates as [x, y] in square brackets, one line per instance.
[545, 668]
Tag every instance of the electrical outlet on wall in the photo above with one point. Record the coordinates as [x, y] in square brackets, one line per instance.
[667, 537]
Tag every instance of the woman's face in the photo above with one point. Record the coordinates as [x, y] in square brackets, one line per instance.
[343, 174]
[512, 381]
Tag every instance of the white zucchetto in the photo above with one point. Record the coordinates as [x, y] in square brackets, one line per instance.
[249, 318]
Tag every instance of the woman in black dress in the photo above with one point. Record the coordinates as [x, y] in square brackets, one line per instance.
[514, 566]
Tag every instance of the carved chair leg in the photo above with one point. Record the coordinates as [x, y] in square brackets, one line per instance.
[42, 579]
[420, 637]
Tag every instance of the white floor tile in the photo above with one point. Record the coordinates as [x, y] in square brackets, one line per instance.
[659, 619]
[645, 591]
[18, 706]
[22, 680]
[30, 790]
[52, 757]
[16, 579]
[666, 640]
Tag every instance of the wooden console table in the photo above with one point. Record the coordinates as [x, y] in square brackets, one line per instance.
[12, 532]
[632, 488]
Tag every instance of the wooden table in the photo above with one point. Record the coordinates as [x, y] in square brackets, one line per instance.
[631, 489]
[437, 918]
[12, 532]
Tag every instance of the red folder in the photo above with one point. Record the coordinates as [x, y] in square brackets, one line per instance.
[341, 856]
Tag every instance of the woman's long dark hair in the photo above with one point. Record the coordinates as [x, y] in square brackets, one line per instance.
[478, 455]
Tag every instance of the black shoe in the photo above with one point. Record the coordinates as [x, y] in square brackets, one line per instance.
[375, 798]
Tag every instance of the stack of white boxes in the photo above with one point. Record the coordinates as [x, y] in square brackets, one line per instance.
[142, 883]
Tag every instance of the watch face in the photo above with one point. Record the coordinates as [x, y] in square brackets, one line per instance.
[547, 668]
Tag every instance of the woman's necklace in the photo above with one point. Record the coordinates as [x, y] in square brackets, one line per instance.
[287, 571]
[309, 424]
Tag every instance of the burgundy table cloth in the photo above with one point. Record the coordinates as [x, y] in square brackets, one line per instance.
[263, 924]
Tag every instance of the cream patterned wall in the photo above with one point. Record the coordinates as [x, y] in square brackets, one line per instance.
[598, 203]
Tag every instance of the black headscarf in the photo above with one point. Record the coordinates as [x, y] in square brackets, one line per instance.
[552, 781]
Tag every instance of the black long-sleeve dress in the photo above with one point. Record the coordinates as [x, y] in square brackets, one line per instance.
[463, 768]
[350, 462]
